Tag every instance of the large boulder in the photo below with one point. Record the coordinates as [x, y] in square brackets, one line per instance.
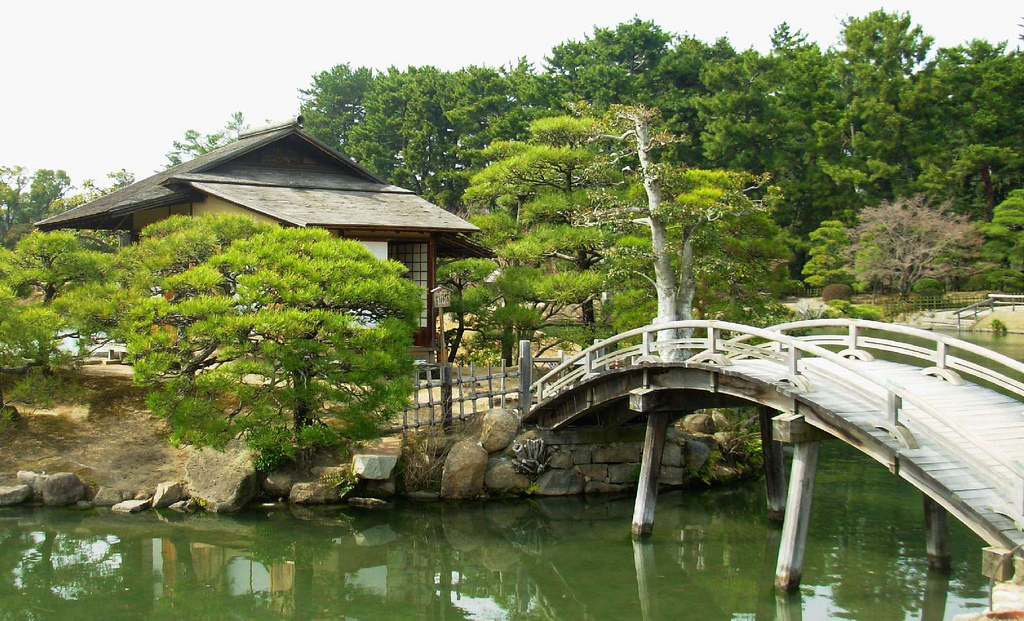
[376, 460]
[502, 477]
[167, 494]
[373, 466]
[279, 483]
[696, 455]
[221, 481]
[34, 481]
[131, 506]
[63, 489]
[313, 494]
[499, 427]
[14, 495]
[560, 483]
[464, 470]
[699, 423]
[107, 497]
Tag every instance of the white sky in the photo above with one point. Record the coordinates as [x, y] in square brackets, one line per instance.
[93, 87]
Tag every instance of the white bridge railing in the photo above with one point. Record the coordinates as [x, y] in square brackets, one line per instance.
[721, 343]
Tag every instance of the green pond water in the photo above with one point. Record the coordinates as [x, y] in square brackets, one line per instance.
[712, 556]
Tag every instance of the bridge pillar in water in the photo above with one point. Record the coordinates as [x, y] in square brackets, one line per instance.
[650, 470]
[792, 428]
[936, 535]
[774, 467]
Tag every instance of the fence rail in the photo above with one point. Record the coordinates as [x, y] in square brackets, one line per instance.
[444, 394]
[916, 303]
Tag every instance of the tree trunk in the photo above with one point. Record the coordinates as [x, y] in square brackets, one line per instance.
[589, 314]
[506, 346]
[456, 342]
[303, 408]
[670, 293]
[990, 193]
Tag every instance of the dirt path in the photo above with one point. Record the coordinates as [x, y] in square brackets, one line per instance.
[110, 439]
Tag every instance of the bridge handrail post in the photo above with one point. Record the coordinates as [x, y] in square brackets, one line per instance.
[794, 359]
[712, 339]
[526, 378]
[645, 343]
[853, 337]
[940, 355]
[893, 405]
[588, 363]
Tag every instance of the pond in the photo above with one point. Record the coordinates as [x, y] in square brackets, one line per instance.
[712, 556]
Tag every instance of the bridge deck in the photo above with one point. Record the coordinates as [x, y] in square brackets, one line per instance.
[939, 456]
[959, 442]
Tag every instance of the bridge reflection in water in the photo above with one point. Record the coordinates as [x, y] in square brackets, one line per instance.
[713, 558]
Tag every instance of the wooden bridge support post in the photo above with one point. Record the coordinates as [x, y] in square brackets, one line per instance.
[798, 516]
[650, 470]
[525, 378]
[643, 563]
[792, 428]
[936, 534]
[774, 467]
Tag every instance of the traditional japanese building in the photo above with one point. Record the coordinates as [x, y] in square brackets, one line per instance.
[282, 174]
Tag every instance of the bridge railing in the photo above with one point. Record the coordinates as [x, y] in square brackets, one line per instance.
[701, 341]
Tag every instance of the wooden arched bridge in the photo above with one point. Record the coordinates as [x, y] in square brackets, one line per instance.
[944, 414]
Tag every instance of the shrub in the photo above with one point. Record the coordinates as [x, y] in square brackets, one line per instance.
[928, 286]
[978, 282]
[836, 292]
[999, 327]
[272, 446]
[842, 308]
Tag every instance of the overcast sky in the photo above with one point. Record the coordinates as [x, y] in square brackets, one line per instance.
[93, 87]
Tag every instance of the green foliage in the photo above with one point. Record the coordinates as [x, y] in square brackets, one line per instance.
[836, 292]
[843, 308]
[999, 327]
[827, 263]
[45, 390]
[25, 199]
[280, 328]
[195, 143]
[272, 446]
[929, 286]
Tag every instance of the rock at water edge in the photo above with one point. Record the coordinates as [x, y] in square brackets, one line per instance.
[107, 497]
[131, 506]
[63, 489]
[34, 481]
[221, 481]
[560, 483]
[313, 494]
[367, 503]
[503, 478]
[373, 466]
[167, 494]
[499, 427]
[464, 470]
[14, 495]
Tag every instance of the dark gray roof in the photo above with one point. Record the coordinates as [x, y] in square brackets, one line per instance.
[150, 192]
[314, 180]
[339, 208]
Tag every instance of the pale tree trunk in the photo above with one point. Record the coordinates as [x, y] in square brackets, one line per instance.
[675, 292]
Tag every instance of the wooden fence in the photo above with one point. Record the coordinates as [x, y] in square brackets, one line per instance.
[894, 307]
[445, 394]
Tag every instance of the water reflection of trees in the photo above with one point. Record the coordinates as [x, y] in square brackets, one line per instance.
[713, 554]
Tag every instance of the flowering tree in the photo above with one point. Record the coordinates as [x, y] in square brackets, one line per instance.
[900, 242]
